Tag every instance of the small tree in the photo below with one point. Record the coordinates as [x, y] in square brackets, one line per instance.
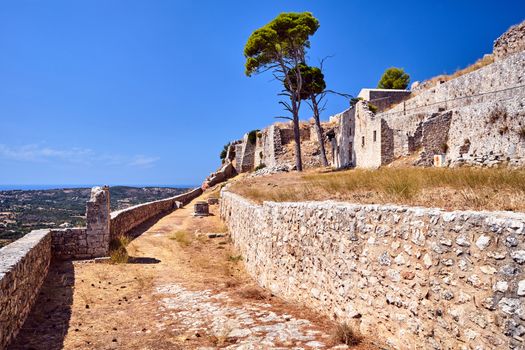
[280, 47]
[394, 78]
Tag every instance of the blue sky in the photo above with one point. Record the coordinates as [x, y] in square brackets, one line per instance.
[147, 92]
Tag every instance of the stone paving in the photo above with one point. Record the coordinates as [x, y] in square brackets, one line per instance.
[249, 326]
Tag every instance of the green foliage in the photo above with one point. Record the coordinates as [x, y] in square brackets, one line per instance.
[282, 38]
[224, 151]
[394, 78]
[312, 81]
[260, 166]
[354, 100]
[372, 108]
[252, 136]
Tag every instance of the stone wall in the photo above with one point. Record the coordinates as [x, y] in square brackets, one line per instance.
[384, 98]
[343, 140]
[367, 137]
[474, 99]
[412, 278]
[23, 268]
[123, 221]
[512, 41]
[70, 243]
[98, 221]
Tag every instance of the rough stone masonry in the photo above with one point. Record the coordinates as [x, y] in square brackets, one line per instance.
[415, 278]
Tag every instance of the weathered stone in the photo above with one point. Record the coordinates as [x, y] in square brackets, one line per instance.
[518, 256]
[509, 305]
[521, 288]
[483, 242]
[333, 272]
[500, 286]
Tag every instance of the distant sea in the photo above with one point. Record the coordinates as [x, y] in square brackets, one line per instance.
[53, 187]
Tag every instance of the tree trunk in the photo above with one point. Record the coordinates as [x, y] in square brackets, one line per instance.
[297, 137]
[319, 131]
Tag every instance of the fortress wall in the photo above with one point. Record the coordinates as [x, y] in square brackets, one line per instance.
[471, 101]
[421, 278]
[123, 221]
[367, 137]
[23, 267]
[510, 42]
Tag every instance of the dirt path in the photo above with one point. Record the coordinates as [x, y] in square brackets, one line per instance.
[181, 290]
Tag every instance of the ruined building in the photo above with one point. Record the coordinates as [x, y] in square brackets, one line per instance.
[475, 119]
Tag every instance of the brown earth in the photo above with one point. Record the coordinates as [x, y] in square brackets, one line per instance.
[180, 290]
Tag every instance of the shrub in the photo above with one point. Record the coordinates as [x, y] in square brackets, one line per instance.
[372, 108]
[224, 151]
[117, 250]
[394, 78]
[182, 238]
[344, 334]
[354, 100]
[260, 166]
[252, 136]
[235, 258]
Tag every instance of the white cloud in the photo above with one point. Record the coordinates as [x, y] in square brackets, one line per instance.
[143, 161]
[39, 153]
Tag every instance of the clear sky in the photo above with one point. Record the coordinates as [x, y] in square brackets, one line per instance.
[148, 92]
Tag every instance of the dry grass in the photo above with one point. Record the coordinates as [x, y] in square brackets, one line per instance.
[182, 237]
[117, 250]
[253, 293]
[460, 188]
[480, 63]
[344, 334]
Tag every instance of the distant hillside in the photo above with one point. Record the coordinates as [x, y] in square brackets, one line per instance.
[22, 211]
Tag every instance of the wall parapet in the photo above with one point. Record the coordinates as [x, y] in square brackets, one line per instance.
[23, 267]
[123, 221]
[423, 278]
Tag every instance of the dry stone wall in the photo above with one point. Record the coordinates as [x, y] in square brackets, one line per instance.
[23, 268]
[512, 41]
[419, 278]
[71, 243]
[123, 221]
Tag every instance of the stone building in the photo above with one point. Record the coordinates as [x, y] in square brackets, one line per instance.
[475, 119]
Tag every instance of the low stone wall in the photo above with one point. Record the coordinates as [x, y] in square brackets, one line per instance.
[70, 243]
[412, 278]
[23, 268]
[123, 221]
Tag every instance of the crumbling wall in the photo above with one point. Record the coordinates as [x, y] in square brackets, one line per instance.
[470, 98]
[367, 137]
[511, 42]
[342, 144]
[123, 221]
[434, 137]
[421, 278]
[98, 222]
[23, 267]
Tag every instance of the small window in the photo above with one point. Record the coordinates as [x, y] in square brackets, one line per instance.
[375, 135]
[362, 141]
